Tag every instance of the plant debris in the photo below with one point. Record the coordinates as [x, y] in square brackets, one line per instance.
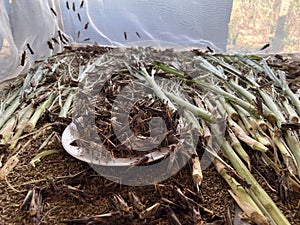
[258, 161]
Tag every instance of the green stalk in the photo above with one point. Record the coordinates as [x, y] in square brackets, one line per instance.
[229, 109]
[282, 83]
[207, 116]
[293, 116]
[244, 200]
[294, 146]
[38, 157]
[252, 127]
[268, 114]
[38, 113]
[262, 124]
[232, 98]
[170, 70]
[65, 109]
[286, 154]
[241, 90]
[250, 63]
[272, 106]
[8, 128]
[260, 205]
[258, 191]
[23, 119]
[236, 144]
[294, 99]
[244, 115]
[156, 88]
[9, 111]
[227, 66]
[240, 134]
[10, 99]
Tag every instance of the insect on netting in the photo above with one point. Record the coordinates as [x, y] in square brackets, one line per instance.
[32, 30]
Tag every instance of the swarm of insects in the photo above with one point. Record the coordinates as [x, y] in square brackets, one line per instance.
[111, 116]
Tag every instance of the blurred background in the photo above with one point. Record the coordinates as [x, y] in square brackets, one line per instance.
[256, 23]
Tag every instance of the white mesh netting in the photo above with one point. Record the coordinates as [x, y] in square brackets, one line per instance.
[36, 29]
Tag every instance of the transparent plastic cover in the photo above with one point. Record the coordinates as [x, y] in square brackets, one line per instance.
[32, 30]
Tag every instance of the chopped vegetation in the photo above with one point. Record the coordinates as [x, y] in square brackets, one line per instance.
[241, 112]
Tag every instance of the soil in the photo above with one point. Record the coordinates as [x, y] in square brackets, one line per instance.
[59, 205]
[67, 191]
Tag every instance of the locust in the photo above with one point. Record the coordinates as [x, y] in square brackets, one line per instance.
[30, 49]
[23, 57]
[50, 45]
[53, 11]
[81, 4]
[264, 47]
[86, 25]
[55, 40]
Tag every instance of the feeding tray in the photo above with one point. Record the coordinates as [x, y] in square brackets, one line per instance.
[70, 135]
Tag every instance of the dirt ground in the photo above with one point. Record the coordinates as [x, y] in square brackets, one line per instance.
[68, 191]
[59, 204]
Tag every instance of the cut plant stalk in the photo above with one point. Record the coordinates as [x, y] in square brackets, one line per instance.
[229, 109]
[9, 111]
[23, 119]
[196, 172]
[230, 97]
[66, 107]
[252, 214]
[170, 70]
[282, 84]
[38, 113]
[268, 114]
[252, 127]
[143, 74]
[26, 88]
[286, 154]
[156, 88]
[228, 67]
[193, 121]
[261, 206]
[293, 116]
[241, 196]
[38, 157]
[293, 181]
[258, 191]
[8, 101]
[207, 116]
[294, 145]
[37, 77]
[205, 128]
[272, 106]
[262, 125]
[250, 63]
[241, 90]
[235, 143]
[240, 134]
[7, 130]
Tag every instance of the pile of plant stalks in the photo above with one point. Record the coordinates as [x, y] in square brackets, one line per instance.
[260, 106]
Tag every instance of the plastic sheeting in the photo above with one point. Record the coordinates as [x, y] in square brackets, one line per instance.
[34, 25]
[26, 28]
[197, 23]
[36, 29]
